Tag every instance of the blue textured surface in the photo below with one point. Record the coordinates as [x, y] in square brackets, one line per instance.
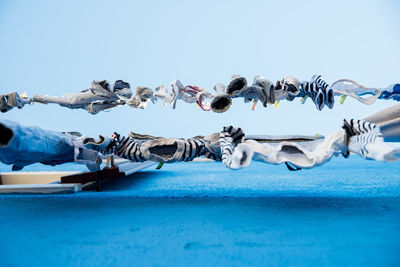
[344, 213]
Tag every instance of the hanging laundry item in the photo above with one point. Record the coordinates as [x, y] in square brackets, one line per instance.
[288, 88]
[103, 95]
[190, 94]
[221, 102]
[319, 92]
[25, 145]
[141, 98]
[236, 150]
[161, 93]
[13, 100]
[355, 90]
[391, 92]
[261, 90]
[99, 97]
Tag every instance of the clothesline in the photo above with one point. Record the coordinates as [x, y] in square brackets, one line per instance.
[369, 138]
[103, 95]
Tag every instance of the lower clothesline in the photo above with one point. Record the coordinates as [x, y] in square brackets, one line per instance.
[370, 138]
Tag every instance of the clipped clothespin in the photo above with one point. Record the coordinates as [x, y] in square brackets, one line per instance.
[277, 103]
[342, 99]
[253, 106]
[159, 165]
[110, 162]
[41, 102]
[303, 99]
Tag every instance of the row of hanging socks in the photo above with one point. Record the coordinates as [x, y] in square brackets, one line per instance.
[321, 93]
[103, 95]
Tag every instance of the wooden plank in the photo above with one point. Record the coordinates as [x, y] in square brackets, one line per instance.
[8, 178]
[40, 188]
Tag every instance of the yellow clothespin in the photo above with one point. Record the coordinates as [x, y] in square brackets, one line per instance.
[37, 101]
[342, 99]
[24, 95]
[277, 103]
[197, 105]
[303, 99]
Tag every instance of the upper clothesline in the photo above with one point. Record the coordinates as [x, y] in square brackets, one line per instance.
[103, 95]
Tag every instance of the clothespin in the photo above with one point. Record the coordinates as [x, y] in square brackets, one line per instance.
[277, 103]
[110, 162]
[342, 99]
[37, 101]
[303, 99]
[160, 165]
[253, 107]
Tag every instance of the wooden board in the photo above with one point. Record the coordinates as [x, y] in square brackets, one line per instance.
[71, 182]
[11, 178]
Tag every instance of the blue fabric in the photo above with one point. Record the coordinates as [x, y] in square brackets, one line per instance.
[30, 144]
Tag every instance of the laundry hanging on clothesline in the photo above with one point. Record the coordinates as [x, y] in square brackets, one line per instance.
[103, 95]
[370, 138]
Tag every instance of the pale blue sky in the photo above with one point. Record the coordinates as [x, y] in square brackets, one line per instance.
[56, 47]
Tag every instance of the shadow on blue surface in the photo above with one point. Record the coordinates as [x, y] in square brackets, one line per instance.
[192, 231]
[346, 213]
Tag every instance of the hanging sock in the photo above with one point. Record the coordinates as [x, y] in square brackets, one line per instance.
[193, 94]
[235, 154]
[141, 98]
[161, 93]
[236, 85]
[221, 101]
[287, 88]
[13, 100]
[391, 92]
[352, 88]
[366, 140]
[261, 90]
[319, 91]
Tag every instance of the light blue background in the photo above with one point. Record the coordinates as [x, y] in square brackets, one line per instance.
[56, 47]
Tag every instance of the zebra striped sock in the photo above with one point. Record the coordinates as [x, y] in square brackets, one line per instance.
[235, 154]
[319, 91]
[360, 134]
[129, 148]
